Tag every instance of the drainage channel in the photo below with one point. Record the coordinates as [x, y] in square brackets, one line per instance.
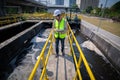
[13, 45]
[23, 65]
[7, 32]
[13, 38]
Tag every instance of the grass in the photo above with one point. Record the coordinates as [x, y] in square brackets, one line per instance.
[106, 24]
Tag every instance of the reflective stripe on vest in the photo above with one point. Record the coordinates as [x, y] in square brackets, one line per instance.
[60, 26]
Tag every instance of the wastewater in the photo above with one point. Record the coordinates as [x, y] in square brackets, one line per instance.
[22, 65]
[100, 65]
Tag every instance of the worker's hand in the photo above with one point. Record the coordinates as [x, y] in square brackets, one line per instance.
[61, 31]
[55, 29]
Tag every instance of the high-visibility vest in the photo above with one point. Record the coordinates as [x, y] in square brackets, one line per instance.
[60, 26]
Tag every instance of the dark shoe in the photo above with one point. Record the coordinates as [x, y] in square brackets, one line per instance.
[56, 55]
[63, 53]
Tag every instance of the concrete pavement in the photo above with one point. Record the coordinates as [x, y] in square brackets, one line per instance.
[115, 40]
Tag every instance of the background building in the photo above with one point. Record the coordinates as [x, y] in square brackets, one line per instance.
[83, 4]
[59, 2]
[66, 3]
[72, 2]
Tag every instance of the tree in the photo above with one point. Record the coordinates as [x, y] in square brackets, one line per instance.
[98, 11]
[89, 9]
[116, 7]
[74, 6]
[107, 12]
[115, 12]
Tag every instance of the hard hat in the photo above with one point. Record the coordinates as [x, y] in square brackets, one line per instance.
[57, 12]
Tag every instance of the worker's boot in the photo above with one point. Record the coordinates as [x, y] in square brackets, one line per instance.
[56, 55]
[63, 53]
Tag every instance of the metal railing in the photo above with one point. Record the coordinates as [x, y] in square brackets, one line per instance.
[9, 19]
[44, 59]
[19, 17]
[81, 57]
[77, 63]
[39, 16]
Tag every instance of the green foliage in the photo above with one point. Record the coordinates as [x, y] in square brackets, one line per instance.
[116, 7]
[106, 12]
[74, 6]
[96, 11]
[113, 12]
[84, 11]
[11, 10]
[89, 9]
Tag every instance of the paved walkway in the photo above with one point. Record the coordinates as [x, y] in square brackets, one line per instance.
[62, 67]
[107, 35]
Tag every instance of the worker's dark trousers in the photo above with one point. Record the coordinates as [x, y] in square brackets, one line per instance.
[57, 45]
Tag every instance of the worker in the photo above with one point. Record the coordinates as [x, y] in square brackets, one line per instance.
[76, 19]
[59, 27]
[77, 22]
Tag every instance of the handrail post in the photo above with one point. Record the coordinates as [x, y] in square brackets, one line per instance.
[52, 40]
[43, 60]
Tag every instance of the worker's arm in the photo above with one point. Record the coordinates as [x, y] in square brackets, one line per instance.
[54, 29]
[53, 26]
[66, 25]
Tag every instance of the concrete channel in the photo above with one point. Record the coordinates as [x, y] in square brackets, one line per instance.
[19, 52]
[108, 43]
[13, 38]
